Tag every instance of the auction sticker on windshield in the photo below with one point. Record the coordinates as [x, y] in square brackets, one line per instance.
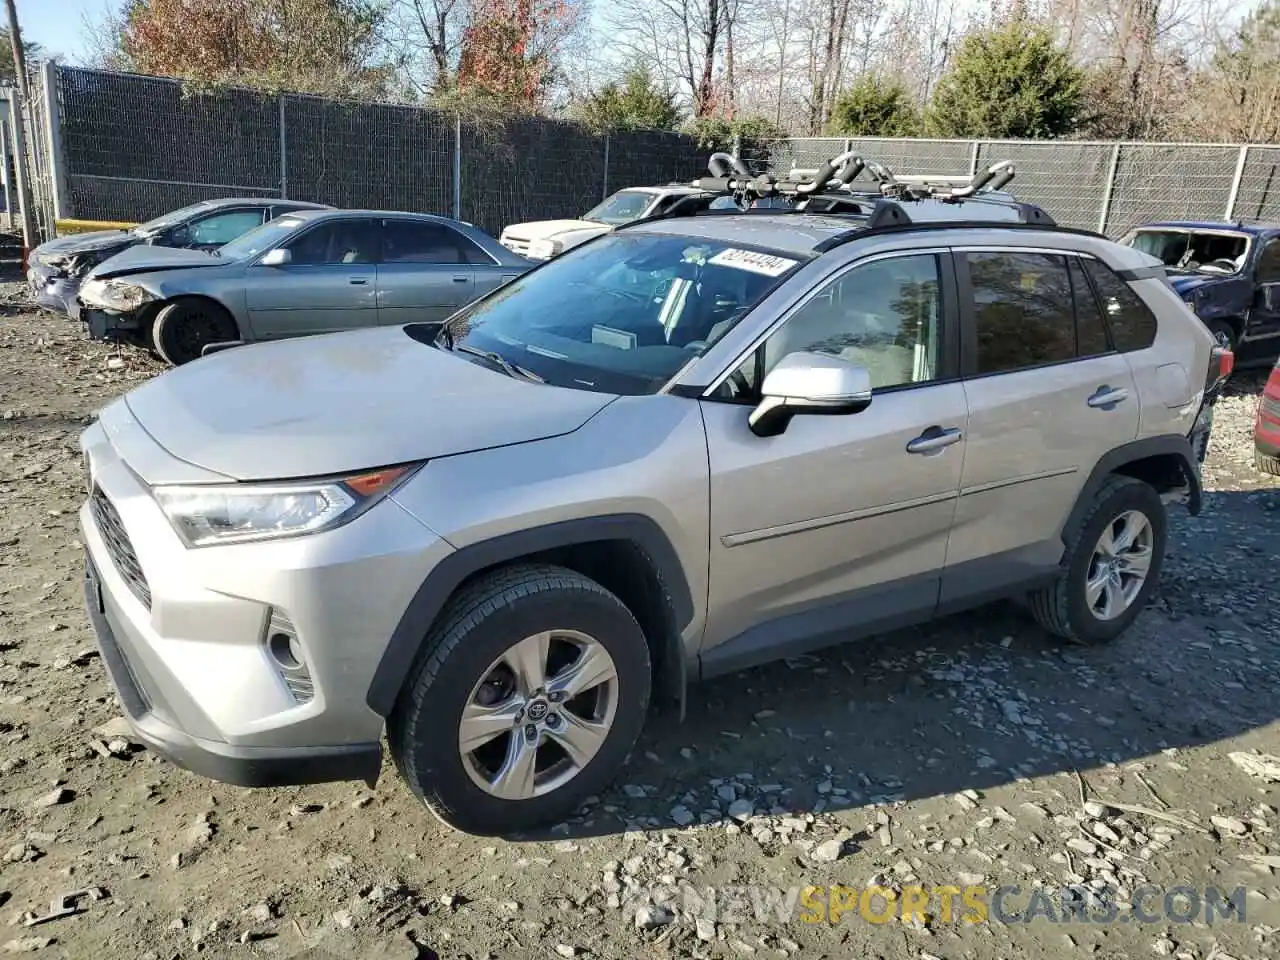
[765, 263]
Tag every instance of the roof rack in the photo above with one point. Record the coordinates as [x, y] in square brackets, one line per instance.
[829, 190]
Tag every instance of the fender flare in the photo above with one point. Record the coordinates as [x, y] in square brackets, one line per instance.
[411, 632]
[1115, 460]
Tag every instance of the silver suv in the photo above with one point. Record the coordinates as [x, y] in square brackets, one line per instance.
[695, 444]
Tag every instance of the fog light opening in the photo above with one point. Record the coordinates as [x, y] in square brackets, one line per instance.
[286, 650]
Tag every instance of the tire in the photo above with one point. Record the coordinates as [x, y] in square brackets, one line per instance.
[1223, 332]
[1063, 608]
[1265, 463]
[183, 328]
[480, 627]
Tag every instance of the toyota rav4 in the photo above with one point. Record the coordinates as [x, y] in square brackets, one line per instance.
[691, 445]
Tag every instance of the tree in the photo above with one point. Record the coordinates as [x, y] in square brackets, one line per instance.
[638, 102]
[874, 107]
[32, 50]
[1010, 80]
[309, 46]
[1240, 90]
[508, 49]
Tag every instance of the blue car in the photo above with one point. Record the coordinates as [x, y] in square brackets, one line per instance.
[1228, 273]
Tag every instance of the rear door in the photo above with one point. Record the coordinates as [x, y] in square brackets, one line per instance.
[329, 283]
[1048, 396]
[1264, 317]
[424, 273]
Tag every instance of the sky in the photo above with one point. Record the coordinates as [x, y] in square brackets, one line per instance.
[58, 25]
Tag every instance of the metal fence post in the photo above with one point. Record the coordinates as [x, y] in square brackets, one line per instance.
[1235, 183]
[284, 153]
[973, 158]
[1105, 212]
[6, 151]
[604, 193]
[457, 166]
[53, 135]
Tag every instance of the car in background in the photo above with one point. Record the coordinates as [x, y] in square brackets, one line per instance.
[56, 269]
[1228, 273]
[544, 239]
[307, 272]
[1266, 426]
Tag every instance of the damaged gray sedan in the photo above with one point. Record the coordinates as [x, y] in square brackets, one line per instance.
[304, 273]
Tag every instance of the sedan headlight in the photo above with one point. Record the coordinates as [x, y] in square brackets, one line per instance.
[545, 249]
[241, 512]
[117, 295]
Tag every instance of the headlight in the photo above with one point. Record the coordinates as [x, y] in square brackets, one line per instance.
[115, 295]
[240, 512]
[545, 249]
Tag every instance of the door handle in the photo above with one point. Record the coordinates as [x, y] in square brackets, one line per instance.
[463, 279]
[935, 439]
[1106, 397]
[358, 281]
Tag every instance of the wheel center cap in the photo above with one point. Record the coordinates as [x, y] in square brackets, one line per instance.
[537, 711]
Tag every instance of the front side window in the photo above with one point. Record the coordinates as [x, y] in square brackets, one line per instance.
[1023, 315]
[882, 315]
[1132, 324]
[623, 207]
[336, 242]
[1268, 270]
[624, 313]
[222, 228]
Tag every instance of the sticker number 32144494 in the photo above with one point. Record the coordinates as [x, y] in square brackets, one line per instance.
[765, 263]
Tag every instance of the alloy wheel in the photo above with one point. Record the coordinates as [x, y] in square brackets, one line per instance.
[538, 715]
[1119, 566]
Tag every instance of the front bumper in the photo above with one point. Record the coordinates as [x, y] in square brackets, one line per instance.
[186, 634]
[242, 766]
[102, 325]
[52, 291]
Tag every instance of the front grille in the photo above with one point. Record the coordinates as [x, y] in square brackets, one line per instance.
[118, 546]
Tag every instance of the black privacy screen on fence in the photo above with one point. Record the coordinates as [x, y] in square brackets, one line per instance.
[135, 147]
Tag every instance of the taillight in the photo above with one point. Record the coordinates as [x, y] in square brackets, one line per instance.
[1221, 362]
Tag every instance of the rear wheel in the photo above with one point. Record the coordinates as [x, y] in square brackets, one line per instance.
[1114, 556]
[1223, 332]
[183, 328]
[533, 688]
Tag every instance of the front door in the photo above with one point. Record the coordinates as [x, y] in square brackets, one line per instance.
[329, 283]
[424, 273]
[1047, 398]
[1264, 317]
[840, 522]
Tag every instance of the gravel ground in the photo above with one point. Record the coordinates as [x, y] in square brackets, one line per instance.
[953, 755]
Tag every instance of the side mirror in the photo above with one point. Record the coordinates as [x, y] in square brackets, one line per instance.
[809, 383]
[276, 258]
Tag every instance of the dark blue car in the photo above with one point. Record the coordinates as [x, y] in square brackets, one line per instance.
[1228, 273]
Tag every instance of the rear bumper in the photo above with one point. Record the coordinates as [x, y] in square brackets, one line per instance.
[243, 766]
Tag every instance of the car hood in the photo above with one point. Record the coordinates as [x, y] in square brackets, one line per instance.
[77, 243]
[546, 229]
[1186, 282]
[345, 402]
[145, 259]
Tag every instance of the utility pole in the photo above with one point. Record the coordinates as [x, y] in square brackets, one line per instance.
[19, 130]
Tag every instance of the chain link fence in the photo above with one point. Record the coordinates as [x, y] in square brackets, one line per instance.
[1109, 187]
[134, 147]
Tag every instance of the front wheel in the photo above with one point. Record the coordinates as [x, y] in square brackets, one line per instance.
[1114, 556]
[183, 328]
[533, 688]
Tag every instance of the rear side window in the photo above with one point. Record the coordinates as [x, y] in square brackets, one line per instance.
[1133, 325]
[1091, 329]
[1023, 315]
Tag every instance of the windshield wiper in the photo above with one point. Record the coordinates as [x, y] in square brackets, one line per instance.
[510, 369]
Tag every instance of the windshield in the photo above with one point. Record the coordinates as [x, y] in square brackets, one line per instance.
[259, 239]
[624, 313]
[623, 207]
[171, 218]
[1192, 251]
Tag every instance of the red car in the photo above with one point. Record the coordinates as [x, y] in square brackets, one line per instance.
[1266, 427]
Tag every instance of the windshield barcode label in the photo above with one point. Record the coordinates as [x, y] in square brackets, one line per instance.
[765, 263]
